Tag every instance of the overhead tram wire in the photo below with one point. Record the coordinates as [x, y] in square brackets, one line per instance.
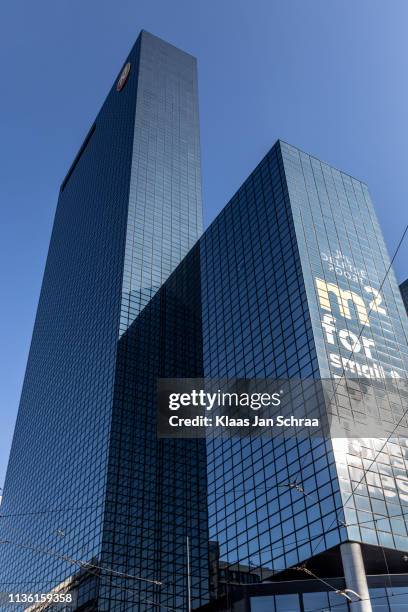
[359, 336]
[303, 568]
[131, 590]
[365, 470]
[331, 605]
[107, 569]
[315, 576]
[113, 573]
[79, 562]
[51, 511]
[371, 307]
[386, 566]
[91, 568]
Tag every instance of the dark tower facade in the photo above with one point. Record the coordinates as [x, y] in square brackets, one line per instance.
[404, 292]
[129, 210]
[291, 280]
[296, 284]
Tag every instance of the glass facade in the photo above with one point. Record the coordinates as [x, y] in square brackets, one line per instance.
[382, 600]
[293, 285]
[360, 329]
[257, 323]
[56, 477]
[165, 208]
[156, 490]
[308, 596]
[287, 282]
[387, 594]
[128, 212]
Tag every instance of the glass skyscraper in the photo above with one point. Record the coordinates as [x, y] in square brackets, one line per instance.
[85, 493]
[289, 281]
[295, 284]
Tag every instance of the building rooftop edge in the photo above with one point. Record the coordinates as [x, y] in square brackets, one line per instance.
[322, 161]
[144, 32]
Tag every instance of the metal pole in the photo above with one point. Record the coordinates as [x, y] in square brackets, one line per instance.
[188, 575]
[355, 575]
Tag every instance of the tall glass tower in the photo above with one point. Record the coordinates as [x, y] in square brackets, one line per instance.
[296, 283]
[291, 280]
[84, 494]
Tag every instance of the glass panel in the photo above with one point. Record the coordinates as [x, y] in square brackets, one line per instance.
[287, 603]
[315, 601]
[398, 599]
[263, 604]
[379, 602]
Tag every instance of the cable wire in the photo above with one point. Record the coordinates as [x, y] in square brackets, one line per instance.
[80, 563]
[368, 314]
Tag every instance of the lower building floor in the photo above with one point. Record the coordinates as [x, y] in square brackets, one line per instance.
[323, 584]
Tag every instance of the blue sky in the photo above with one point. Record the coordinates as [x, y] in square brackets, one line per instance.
[326, 75]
